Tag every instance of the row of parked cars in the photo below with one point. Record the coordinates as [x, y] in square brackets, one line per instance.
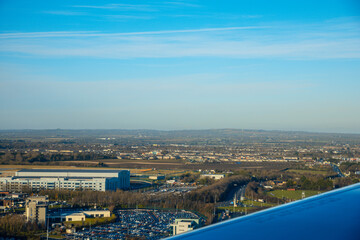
[142, 223]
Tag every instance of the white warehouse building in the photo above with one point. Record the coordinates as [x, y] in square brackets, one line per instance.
[36, 179]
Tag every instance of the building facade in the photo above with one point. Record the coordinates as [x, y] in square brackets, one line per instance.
[82, 215]
[184, 225]
[97, 180]
[36, 209]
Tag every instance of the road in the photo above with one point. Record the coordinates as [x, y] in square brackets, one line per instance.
[238, 190]
[337, 170]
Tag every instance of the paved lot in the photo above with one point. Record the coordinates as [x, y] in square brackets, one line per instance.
[148, 224]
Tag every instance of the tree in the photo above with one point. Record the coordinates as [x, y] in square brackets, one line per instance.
[19, 157]
[290, 183]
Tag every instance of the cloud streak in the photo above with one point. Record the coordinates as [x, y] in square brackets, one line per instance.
[318, 42]
[140, 7]
[97, 34]
[65, 13]
[119, 6]
[182, 4]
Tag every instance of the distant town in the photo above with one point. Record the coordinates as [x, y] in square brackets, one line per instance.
[147, 184]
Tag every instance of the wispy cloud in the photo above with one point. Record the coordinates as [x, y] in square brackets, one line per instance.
[65, 13]
[108, 6]
[141, 7]
[97, 34]
[125, 17]
[119, 6]
[46, 34]
[183, 4]
[316, 42]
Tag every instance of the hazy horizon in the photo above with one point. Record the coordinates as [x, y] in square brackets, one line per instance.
[272, 65]
[173, 130]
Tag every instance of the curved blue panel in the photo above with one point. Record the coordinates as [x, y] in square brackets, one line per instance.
[331, 215]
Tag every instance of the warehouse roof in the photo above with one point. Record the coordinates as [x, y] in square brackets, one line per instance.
[71, 170]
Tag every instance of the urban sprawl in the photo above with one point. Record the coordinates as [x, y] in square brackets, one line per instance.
[143, 184]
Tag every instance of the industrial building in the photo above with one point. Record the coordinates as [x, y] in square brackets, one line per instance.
[37, 179]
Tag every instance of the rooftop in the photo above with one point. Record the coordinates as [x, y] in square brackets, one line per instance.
[71, 170]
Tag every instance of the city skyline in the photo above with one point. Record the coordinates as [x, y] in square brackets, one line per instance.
[180, 65]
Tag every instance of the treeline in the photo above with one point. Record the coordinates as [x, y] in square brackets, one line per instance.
[31, 157]
[201, 200]
[15, 225]
[350, 167]
[255, 191]
[217, 191]
[315, 179]
[195, 177]
[80, 198]
[345, 181]
[311, 184]
[125, 199]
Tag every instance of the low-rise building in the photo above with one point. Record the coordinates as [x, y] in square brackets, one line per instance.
[75, 217]
[213, 176]
[183, 225]
[156, 177]
[171, 181]
[82, 215]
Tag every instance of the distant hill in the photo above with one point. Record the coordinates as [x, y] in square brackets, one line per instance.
[239, 135]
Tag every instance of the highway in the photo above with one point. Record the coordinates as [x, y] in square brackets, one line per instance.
[337, 170]
[238, 190]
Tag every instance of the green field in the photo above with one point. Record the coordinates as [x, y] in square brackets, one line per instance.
[293, 195]
[236, 209]
[314, 172]
[257, 204]
[250, 206]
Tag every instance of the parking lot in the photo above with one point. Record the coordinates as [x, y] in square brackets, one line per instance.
[171, 189]
[146, 224]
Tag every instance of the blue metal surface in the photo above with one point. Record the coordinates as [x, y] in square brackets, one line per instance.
[331, 215]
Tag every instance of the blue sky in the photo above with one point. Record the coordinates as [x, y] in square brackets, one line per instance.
[286, 65]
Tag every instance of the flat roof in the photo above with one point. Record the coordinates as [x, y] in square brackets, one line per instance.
[71, 170]
[77, 214]
[46, 177]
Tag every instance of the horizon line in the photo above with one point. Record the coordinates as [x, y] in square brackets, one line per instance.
[177, 130]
